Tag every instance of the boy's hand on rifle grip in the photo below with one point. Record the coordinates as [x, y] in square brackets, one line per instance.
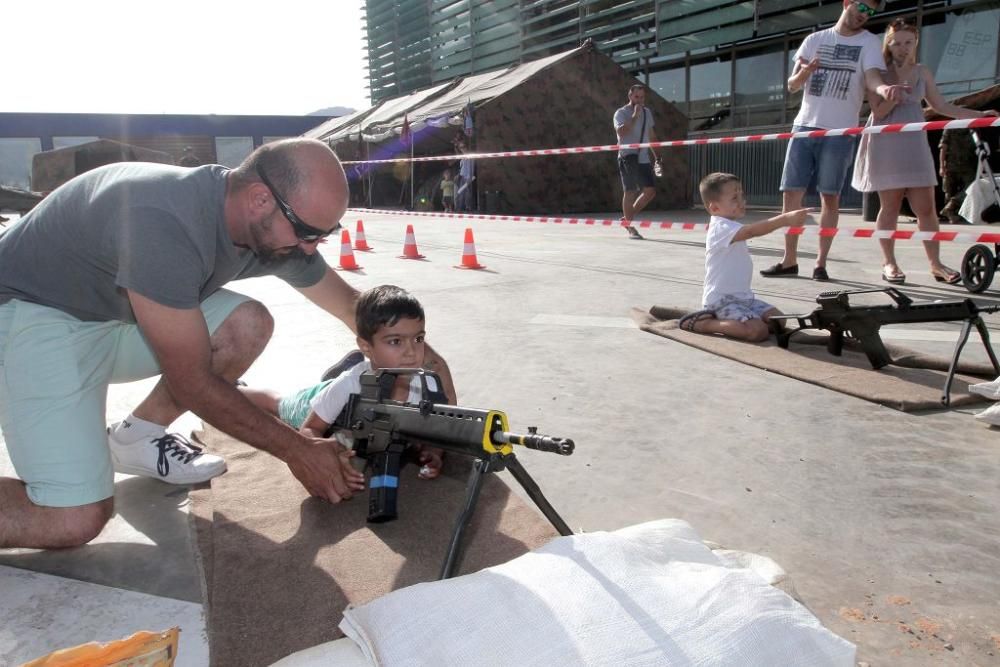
[431, 460]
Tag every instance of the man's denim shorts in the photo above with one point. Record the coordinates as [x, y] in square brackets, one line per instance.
[827, 159]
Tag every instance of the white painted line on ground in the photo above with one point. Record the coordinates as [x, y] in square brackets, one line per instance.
[584, 321]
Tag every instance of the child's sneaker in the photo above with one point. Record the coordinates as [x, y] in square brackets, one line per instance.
[169, 457]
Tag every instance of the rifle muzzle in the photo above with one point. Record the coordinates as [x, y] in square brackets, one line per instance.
[544, 443]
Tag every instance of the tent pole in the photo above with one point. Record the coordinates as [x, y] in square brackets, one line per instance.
[368, 171]
[412, 206]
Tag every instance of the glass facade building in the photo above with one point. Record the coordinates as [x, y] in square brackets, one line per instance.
[723, 63]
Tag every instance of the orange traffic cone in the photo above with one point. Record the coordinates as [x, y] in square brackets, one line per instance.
[360, 243]
[347, 262]
[469, 260]
[410, 246]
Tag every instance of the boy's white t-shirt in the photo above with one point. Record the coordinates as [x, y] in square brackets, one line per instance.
[832, 95]
[328, 403]
[728, 266]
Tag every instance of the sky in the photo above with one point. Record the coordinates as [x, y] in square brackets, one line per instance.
[288, 57]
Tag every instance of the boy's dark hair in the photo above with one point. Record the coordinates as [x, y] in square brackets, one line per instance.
[711, 186]
[384, 306]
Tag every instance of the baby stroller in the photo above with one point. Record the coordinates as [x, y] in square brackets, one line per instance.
[980, 263]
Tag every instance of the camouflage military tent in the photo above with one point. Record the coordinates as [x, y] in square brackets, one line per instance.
[563, 100]
[50, 169]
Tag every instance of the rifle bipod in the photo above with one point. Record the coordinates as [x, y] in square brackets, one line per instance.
[862, 323]
[481, 466]
[984, 335]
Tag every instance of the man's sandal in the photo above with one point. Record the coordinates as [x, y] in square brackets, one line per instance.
[688, 322]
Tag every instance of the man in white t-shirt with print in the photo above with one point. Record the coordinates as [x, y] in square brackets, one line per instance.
[833, 68]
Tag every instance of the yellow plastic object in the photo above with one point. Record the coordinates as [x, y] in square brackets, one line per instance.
[143, 649]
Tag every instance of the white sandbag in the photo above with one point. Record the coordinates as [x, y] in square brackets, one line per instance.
[651, 594]
[340, 652]
[762, 566]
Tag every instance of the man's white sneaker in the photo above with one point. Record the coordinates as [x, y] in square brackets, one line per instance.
[170, 457]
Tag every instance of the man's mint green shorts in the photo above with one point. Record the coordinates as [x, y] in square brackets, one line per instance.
[54, 377]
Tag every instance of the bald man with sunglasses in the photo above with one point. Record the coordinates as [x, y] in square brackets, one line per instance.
[118, 275]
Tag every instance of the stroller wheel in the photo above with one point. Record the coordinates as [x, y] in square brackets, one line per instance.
[978, 267]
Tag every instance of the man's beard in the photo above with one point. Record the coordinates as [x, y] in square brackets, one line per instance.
[268, 256]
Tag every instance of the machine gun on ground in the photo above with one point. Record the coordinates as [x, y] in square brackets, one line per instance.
[840, 318]
[383, 429]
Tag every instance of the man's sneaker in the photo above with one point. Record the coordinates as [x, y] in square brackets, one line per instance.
[171, 458]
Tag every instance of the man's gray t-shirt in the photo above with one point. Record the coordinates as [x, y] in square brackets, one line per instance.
[158, 230]
[623, 116]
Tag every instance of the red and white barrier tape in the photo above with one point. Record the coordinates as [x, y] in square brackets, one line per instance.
[969, 123]
[811, 230]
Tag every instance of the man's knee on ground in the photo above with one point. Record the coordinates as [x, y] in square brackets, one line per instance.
[76, 526]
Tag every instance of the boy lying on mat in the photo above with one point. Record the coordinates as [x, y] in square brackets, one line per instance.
[390, 324]
[728, 304]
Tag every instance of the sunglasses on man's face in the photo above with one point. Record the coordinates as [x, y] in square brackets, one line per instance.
[303, 232]
[865, 9]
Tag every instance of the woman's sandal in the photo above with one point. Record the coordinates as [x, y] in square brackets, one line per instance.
[949, 276]
[688, 322]
[895, 277]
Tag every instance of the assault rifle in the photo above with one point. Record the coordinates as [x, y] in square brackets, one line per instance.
[383, 430]
[836, 315]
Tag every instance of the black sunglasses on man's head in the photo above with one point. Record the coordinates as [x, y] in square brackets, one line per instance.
[303, 232]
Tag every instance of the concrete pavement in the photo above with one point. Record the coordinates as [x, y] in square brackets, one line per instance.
[887, 522]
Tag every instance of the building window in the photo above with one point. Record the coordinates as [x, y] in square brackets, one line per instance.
[760, 87]
[66, 142]
[231, 151]
[711, 94]
[670, 85]
[960, 48]
[15, 160]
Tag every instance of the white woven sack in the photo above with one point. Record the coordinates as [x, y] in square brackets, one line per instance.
[651, 594]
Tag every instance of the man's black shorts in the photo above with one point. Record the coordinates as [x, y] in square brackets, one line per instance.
[635, 175]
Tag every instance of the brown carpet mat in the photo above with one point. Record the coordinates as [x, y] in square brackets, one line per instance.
[913, 382]
[280, 567]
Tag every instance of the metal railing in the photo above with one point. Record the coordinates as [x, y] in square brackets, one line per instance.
[757, 163]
